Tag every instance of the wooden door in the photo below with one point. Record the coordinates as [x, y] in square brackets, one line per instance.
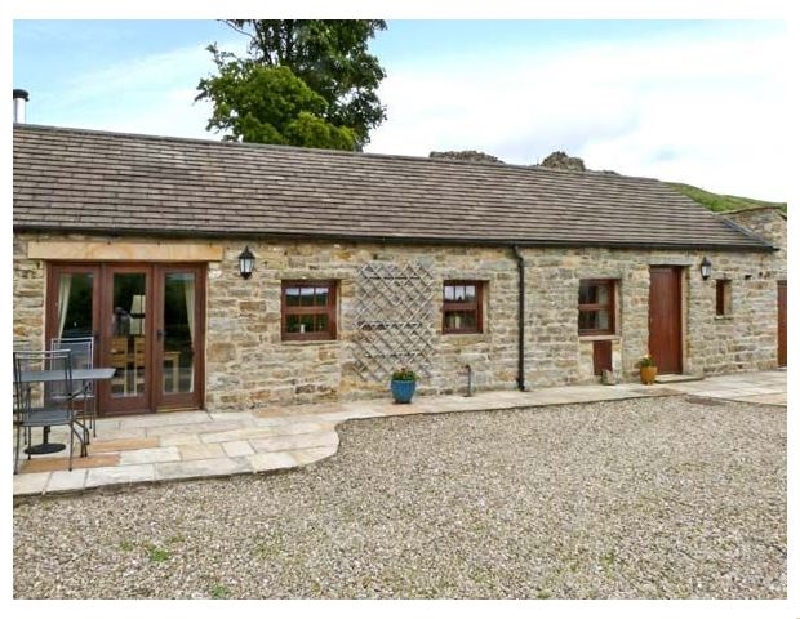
[126, 338]
[602, 356]
[666, 338]
[148, 321]
[782, 323]
[178, 345]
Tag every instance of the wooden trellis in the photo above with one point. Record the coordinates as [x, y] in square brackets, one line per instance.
[394, 319]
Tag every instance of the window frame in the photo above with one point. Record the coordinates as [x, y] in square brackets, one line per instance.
[723, 298]
[455, 306]
[330, 310]
[596, 307]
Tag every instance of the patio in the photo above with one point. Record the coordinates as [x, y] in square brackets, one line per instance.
[191, 445]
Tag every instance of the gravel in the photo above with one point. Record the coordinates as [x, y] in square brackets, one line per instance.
[649, 498]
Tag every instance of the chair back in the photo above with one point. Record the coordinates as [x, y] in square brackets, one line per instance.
[59, 386]
[81, 349]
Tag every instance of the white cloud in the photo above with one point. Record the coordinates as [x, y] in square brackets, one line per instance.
[152, 95]
[708, 110]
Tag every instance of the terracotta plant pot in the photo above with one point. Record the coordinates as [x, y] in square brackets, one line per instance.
[648, 374]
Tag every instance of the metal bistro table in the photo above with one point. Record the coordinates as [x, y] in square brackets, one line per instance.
[44, 376]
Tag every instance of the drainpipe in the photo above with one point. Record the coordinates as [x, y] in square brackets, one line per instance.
[521, 318]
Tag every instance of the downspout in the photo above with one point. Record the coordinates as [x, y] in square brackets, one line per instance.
[521, 318]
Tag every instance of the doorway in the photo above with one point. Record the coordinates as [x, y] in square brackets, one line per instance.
[666, 324]
[148, 322]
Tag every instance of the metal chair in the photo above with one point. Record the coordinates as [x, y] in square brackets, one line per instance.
[82, 355]
[54, 369]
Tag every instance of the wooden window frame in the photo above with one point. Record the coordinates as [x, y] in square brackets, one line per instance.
[595, 307]
[330, 310]
[723, 294]
[472, 306]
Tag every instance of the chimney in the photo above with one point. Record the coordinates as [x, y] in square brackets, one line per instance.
[20, 99]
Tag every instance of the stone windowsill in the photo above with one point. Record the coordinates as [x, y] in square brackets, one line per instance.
[310, 342]
[594, 338]
[723, 318]
[465, 338]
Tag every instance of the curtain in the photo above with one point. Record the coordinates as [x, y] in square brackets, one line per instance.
[64, 286]
[189, 291]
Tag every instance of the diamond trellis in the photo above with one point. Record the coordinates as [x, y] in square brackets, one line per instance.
[394, 319]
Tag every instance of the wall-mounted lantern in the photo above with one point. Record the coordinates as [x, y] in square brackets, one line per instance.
[246, 263]
[705, 268]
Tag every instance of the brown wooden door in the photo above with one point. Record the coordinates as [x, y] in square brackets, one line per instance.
[125, 342]
[178, 344]
[602, 356]
[782, 323]
[666, 340]
[148, 321]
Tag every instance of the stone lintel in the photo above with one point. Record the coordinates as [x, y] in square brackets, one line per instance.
[125, 250]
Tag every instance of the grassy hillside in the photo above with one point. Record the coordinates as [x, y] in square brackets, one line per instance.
[719, 202]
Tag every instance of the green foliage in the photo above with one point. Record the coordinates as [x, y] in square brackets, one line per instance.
[126, 546]
[645, 362]
[404, 374]
[155, 554]
[719, 202]
[220, 592]
[176, 539]
[306, 83]
[269, 105]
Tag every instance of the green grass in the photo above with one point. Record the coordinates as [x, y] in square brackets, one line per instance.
[155, 554]
[126, 546]
[220, 592]
[176, 539]
[720, 202]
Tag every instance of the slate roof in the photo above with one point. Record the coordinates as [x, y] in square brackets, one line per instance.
[74, 180]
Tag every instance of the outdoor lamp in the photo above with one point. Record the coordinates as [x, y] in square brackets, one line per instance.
[246, 263]
[705, 268]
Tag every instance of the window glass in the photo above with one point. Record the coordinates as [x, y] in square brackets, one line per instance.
[462, 311]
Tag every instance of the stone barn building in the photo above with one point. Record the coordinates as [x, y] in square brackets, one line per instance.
[364, 263]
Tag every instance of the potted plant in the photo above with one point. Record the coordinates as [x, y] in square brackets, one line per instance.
[404, 381]
[647, 370]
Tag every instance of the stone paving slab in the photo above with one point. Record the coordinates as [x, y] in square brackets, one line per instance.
[188, 445]
[210, 467]
[150, 456]
[61, 481]
[120, 475]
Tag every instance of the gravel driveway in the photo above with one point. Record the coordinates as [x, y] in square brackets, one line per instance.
[650, 498]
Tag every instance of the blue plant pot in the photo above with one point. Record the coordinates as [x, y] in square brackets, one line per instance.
[403, 390]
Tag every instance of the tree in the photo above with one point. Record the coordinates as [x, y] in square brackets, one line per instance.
[325, 71]
[258, 103]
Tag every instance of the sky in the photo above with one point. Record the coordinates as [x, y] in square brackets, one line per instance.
[702, 102]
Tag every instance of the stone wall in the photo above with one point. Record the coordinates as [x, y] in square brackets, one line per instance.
[29, 290]
[768, 223]
[248, 365]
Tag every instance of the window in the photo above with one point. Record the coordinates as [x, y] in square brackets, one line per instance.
[723, 297]
[596, 306]
[308, 310]
[463, 307]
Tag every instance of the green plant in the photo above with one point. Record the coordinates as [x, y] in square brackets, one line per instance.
[126, 546]
[404, 374]
[645, 362]
[220, 592]
[157, 555]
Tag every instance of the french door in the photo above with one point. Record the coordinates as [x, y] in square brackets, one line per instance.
[148, 323]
